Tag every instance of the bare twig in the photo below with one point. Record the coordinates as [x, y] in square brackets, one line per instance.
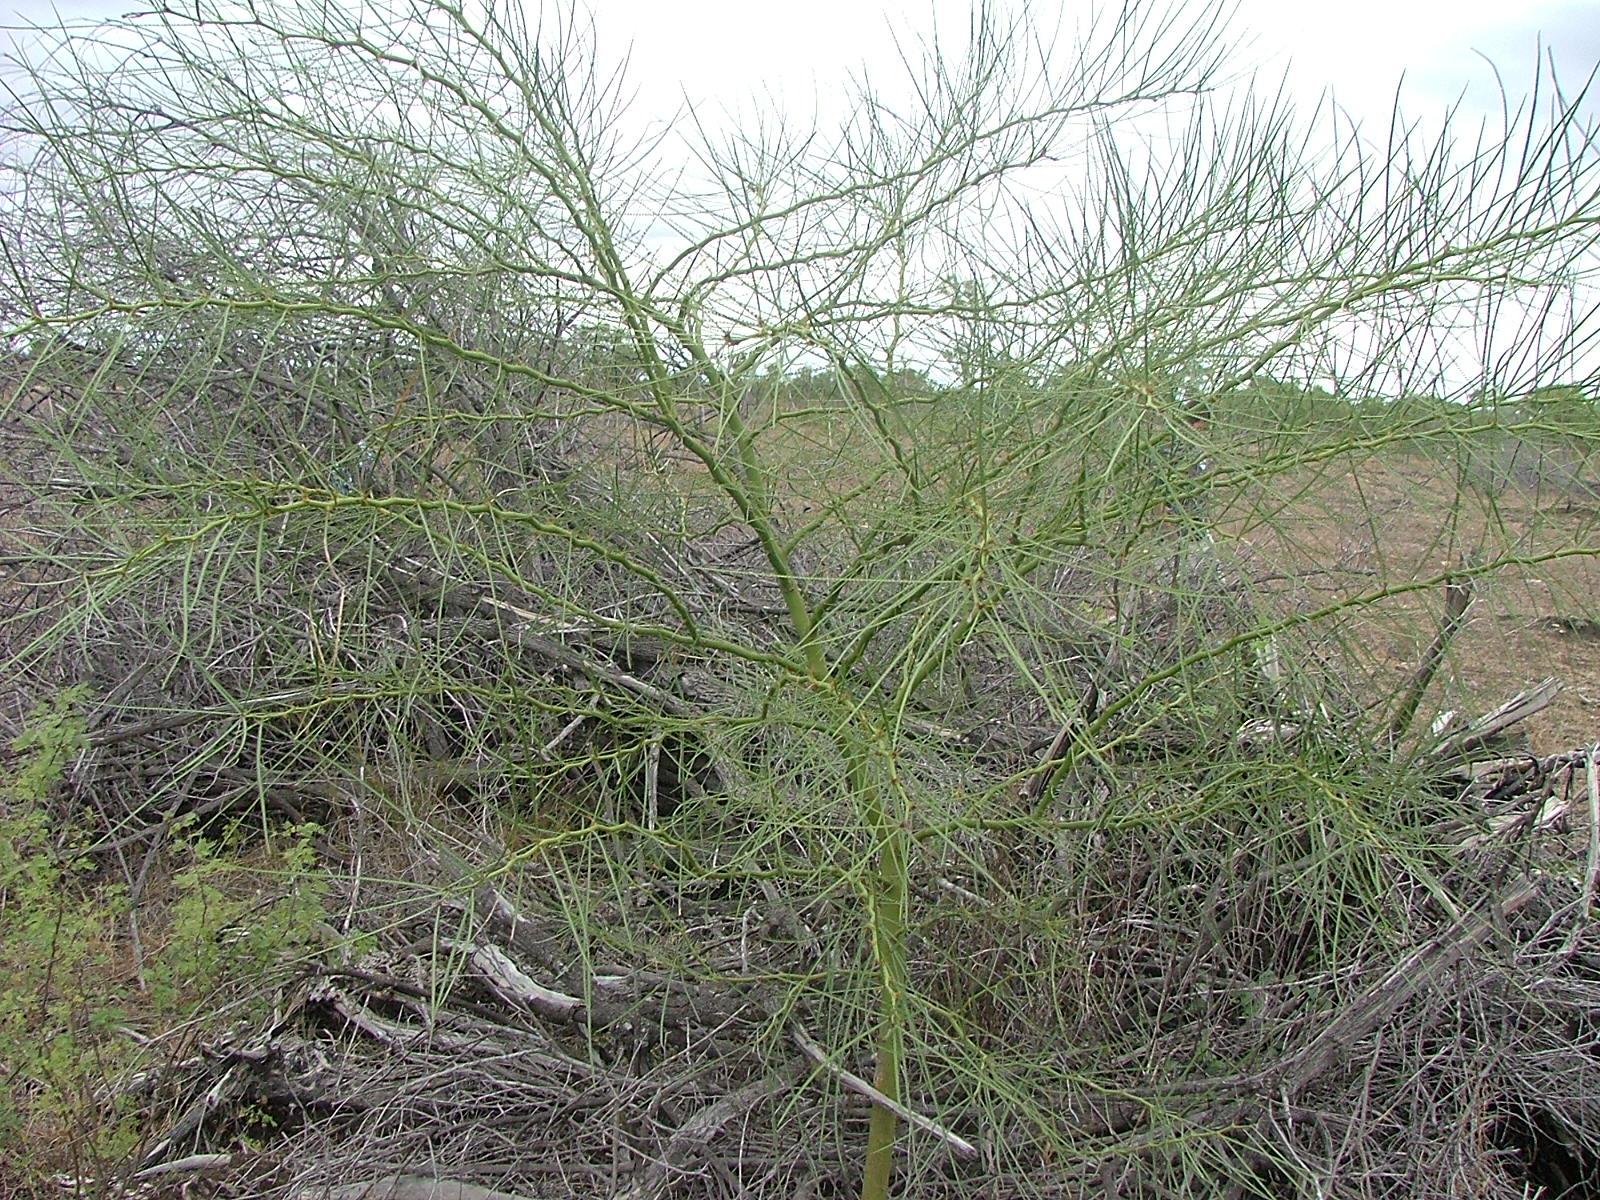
[695, 1134]
[407, 1187]
[861, 1087]
[1591, 879]
[176, 1166]
[1457, 599]
[1039, 779]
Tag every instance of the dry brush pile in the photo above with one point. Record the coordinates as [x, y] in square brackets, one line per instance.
[599, 914]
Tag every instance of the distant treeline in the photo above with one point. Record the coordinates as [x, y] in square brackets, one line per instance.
[374, 361]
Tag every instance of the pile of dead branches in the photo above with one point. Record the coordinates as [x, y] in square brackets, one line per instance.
[1196, 1034]
[594, 925]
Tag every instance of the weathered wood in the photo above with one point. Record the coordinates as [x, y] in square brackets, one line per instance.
[1476, 733]
[1457, 599]
[406, 1187]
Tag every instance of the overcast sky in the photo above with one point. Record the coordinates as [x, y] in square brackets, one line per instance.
[723, 51]
[1361, 48]
[721, 54]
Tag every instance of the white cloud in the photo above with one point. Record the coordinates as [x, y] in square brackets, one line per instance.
[725, 53]
[1445, 52]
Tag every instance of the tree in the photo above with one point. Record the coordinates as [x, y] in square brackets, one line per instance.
[418, 243]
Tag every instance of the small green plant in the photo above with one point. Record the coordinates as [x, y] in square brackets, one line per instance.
[232, 923]
[68, 992]
[60, 1003]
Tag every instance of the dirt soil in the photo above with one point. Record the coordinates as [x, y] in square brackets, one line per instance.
[1349, 532]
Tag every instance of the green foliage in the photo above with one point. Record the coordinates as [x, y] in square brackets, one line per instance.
[233, 926]
[69, 993]
[59, 1003]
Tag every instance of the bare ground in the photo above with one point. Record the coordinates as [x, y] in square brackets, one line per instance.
[1389, 521]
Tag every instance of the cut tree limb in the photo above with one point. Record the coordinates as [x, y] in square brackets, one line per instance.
[515, 986]
[1477, 732]
[1457, 599]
